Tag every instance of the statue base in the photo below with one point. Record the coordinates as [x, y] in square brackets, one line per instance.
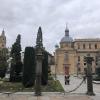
[90, 94]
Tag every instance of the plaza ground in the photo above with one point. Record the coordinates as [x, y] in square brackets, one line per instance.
[74, 82]
[79, 94]
[48, 96]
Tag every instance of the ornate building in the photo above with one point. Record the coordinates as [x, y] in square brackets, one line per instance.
[69, 57]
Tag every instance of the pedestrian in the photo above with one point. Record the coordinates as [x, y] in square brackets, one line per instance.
[85, 74]
[65, 79]
[68, 80]
[84, 78]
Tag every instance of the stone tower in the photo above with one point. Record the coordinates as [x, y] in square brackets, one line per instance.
[2, 40]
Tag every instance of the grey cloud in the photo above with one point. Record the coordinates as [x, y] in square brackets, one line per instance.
[25, 16]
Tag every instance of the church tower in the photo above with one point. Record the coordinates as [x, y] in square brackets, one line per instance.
[2, 40]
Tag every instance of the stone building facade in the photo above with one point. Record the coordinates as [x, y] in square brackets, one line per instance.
[69, 57]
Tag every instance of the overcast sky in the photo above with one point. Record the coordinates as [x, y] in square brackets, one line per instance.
[25, 16]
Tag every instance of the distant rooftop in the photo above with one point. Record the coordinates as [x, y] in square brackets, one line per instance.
[88, 40]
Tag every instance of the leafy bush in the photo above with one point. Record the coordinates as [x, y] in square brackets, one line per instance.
[3, 68]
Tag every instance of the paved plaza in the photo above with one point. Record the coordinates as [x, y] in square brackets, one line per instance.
[74, 82]
[79, 94]
[47, 96]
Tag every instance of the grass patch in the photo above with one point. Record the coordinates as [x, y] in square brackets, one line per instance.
[53, 86]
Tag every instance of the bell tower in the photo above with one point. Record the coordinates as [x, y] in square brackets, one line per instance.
[3, 40]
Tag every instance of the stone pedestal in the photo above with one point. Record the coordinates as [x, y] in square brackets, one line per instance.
[89, 60]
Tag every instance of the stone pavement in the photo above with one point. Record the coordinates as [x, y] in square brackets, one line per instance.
[79, 94]
[47, 96]
[74, 82]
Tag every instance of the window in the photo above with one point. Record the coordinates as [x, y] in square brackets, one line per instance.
[72, 45]
[96, 60]
[95, 46]
[89, 46]
[65, 56]
[78, 46]
[83, 46]
[84, 64]
[78, 58]
[84, 59]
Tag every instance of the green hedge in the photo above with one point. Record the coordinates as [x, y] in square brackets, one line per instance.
[29, 67]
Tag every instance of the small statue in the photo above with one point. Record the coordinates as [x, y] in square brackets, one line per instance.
[39, 38]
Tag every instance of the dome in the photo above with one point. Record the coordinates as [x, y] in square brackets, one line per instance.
[66, 39]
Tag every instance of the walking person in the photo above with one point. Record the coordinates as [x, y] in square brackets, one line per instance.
[68, 79]
[65, 79]
[84, 78]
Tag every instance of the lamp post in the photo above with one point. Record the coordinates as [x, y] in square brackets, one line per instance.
[89, 60]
